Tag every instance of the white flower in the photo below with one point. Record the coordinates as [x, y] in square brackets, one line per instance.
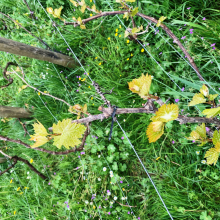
[124, 120]
[91, 203]
[11, 171]
[86, 201]
[123, 198]
[108, 193]
[152, 77]
[203, 161]
[27, 172]
[197, 152]
[115, 198]
[99, 179]
[99, 156]
[111, 175]
[111, 172]
[28, 177]
[111, 203]
[104, 168]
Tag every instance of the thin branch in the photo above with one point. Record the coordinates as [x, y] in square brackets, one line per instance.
[125, 205]
[23, 125]
[26, 30]
[164, 27]
[16, 159]
[6, 155]
[39, 90]
[31, 12]
[48, 151]
[107, 112]
[9, 79]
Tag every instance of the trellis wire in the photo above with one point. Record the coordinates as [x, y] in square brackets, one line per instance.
[152, 56]
[145, 170]
[66, 42]
[80, 157]
[161, 66]
[115, 178]
[92, 81]
[149, 23]
[63, 82]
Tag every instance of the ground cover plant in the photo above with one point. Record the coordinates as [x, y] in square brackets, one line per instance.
[105, 179]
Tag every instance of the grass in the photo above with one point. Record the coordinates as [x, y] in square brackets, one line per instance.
[189, 188]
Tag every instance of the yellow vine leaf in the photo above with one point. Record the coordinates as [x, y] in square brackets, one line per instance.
[39, 140]
[57, 12]
[212, 154]
[126, 34]
[204, 90]
[40, 135]
[70, 133]
[83, 6]
[157, 126]
[141, 86]
[126, 15]
[212, 112]
[194, 136]
[199, 134]
[212, 97]
[50, 10]
[84, 109]
[135, 30]
[94, 9]
[74, 3]
[153, 135]
[78, 109]
[201, 130]
[161, 19]
[197, 99]
[216, 137]
[166, 113]
[39, 129]
[79, 21]
[134, 12]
